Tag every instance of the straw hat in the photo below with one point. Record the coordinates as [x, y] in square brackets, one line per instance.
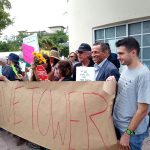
[54, 54]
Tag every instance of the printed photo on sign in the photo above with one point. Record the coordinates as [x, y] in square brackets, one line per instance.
[41, 73]
[85, 74]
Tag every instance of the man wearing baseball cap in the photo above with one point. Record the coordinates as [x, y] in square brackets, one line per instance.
[84, 56]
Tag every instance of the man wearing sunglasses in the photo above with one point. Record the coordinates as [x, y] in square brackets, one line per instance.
[84, 57]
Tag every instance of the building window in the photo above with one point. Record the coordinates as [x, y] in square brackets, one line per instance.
[139, 30]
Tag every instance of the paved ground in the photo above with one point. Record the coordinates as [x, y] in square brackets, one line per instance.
[146, 145]
[8, 142]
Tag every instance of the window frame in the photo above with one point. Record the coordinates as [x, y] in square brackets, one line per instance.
[127, 34]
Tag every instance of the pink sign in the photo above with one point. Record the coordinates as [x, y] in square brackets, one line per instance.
[27, 53]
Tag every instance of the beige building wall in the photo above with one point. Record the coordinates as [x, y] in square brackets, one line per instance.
[84, 15]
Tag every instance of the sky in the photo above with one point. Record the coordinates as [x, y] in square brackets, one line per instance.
[35, 15]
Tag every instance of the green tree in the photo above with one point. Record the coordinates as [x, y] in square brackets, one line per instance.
[58, 39]
[12, 43]
[5, 19]
[46, 41]
[3, 47]
[8, 46]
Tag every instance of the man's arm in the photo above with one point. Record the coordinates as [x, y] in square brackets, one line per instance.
[136, 120]
[141, 112]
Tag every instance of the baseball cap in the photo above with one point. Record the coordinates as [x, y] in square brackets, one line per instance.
[84, 47]
[13, 57]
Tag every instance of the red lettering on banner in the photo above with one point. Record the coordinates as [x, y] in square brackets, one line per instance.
[62, 115]
[15, 122]
[77, 121]
[46, 131]
[88, 116]
[86, 120]
[33, 107]
[97, 114]
[58, 124]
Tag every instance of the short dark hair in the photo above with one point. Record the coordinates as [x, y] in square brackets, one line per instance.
[104, 47]
[108, 47]
[47, 58]
[130, 43]
[65, 68]
[54, 48]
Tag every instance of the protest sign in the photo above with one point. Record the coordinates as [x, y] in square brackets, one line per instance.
[85, 74]
[22, 66]
[60, 115]
[27, 53]
[41, 73]
[32, 40]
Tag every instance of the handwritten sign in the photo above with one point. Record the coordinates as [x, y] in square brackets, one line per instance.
[32, 40]
[22, 65]
[85, 74]
[27, 53]
[60, 115]
[41, 73]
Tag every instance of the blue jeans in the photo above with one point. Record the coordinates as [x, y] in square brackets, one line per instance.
[136, 141]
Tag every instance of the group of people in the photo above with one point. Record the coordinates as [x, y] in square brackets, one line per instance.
[131, 107]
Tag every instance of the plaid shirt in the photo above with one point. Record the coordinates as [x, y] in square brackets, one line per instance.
[8, 72]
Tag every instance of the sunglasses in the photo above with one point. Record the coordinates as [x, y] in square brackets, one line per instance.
[80, 52]
[71, 56]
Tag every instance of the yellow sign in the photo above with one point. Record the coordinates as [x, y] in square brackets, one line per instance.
[47, 52]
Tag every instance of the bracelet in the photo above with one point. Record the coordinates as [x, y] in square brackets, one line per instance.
[129, 132]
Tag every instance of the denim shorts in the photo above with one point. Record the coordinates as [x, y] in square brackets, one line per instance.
[136, 141]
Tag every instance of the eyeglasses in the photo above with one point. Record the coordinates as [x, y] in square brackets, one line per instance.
[71, 56]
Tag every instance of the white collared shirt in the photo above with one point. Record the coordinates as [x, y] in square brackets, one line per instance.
[98, 66]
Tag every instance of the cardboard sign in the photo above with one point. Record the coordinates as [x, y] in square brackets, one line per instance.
[85, 74]
[60, 115]
[27, 53]
[41, 73]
